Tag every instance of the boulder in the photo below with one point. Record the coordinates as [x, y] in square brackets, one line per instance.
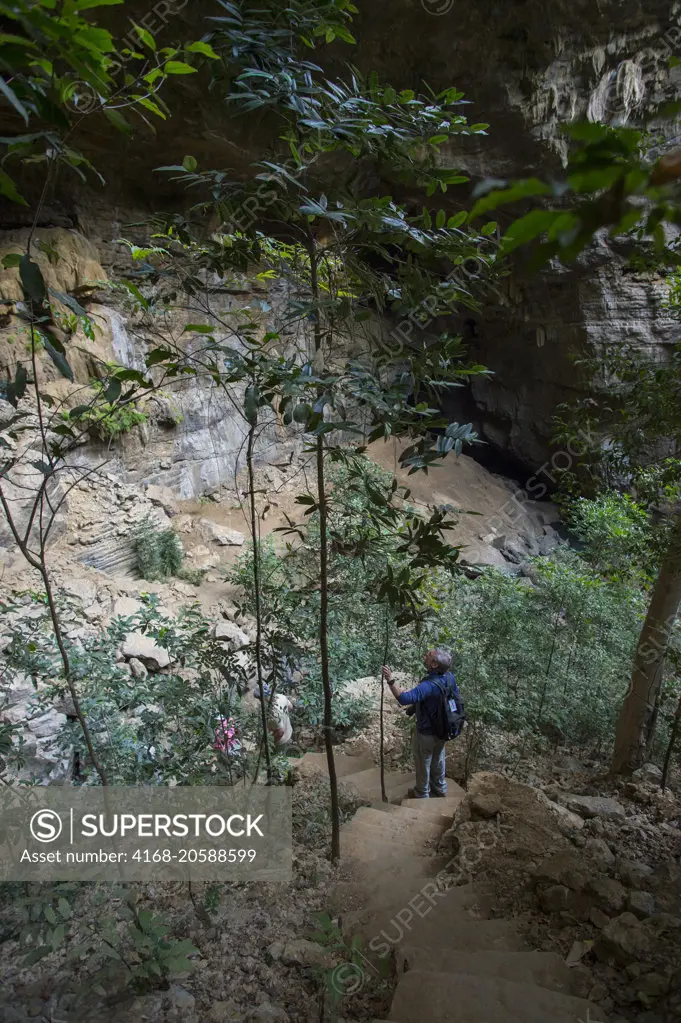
[183, 523]
[48, 724]
[641, 904]
[143, 648]
[163, 497]
[632, 873]
[126, 607]
[598, 918]
[301, 952]
[267, 1013]
[556, 898]
[596, 806]
[137, 668]
[599, 851]
[567, 822]
[221, 535]
[609, 895]
[484, 805]
[563, 869]
[230, 634]
[624, 940]
[648, 773]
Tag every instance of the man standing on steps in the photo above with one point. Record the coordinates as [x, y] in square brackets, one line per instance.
[426, 700]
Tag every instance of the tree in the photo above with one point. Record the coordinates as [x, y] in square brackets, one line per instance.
[345, 258]
[609, 185]
[47, 62]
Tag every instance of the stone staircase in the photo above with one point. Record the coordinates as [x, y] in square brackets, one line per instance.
[454, 963]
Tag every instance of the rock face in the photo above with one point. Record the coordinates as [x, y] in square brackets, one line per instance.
[547, 64]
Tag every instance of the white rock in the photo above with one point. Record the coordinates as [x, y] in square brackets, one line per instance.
[231, 634]
[568, 822]
[143, 648]
[596, 806]
[648, 773]
[220, 534]
[164, 498]
[137, 668]
[47, 725]
[126, 607]
[85, 590]
[183, 523]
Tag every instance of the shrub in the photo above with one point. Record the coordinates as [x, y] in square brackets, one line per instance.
[104, 420]
[158, 552]
[153, 730]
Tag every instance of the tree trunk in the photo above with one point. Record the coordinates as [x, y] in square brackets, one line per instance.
[324, 583]
[672, 742]
[324, 650]
[634, 724]
[256, 588]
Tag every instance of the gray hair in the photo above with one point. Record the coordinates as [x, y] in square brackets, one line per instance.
[443, 659]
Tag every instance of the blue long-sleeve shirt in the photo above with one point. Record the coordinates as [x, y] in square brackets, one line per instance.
[426, 696]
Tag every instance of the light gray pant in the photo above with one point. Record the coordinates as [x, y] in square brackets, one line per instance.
[429, 764]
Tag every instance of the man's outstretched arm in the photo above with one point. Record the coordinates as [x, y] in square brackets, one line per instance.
[403, 698]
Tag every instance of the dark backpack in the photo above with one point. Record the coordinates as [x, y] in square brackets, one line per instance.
[451, 714]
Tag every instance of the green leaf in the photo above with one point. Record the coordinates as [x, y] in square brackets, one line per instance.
[178, 67]
[525, 189]
[199, 328]
[489, 228]
[301, 413]
[118, 121]
[204, 48]
[14, 99]
[190, 163]
[149, 104]
[9, 189]
[32, 279]
[527, 228]
[440, 219]
[145, 36]
[457, 220]
[153, 75]
[50, 914]
[113, 391]
[58, 359]
[84, 5]
[251, 405]
[12, 259]
[64, 909]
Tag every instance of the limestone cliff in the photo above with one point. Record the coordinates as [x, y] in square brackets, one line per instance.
[527, 68]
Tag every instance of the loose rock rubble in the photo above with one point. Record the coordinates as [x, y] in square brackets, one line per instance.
[611, 904]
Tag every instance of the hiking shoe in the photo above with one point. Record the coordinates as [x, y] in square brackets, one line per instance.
[438, 795]
[413, 794]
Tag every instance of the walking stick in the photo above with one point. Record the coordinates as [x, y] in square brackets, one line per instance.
[384, 795]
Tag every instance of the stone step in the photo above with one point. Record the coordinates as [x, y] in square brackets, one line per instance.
[388, 919]
[442, 929]
[445, 807]
[367, 784]
[428, 827]
[547, 969]
[315, 763]
[467, 998]
[404, 839]
[377, 854]
[408, 813]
